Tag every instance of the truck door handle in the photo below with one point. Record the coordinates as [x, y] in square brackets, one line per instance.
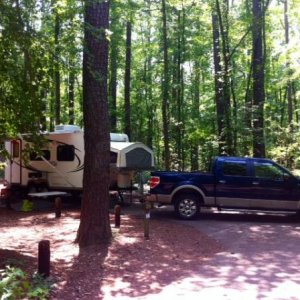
[222, 181]
[255, 183]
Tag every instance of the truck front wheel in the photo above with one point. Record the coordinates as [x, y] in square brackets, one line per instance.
[187, 206]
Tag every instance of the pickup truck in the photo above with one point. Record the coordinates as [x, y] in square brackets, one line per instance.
[233, 182]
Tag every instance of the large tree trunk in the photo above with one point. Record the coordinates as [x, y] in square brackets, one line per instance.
[94, 223]
[258, 80]
[127, 108]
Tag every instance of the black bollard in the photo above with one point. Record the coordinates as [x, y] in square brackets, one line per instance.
[44, 258]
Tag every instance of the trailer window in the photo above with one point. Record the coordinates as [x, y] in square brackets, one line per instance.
[65, 153]
[15, 149]
[44, 153]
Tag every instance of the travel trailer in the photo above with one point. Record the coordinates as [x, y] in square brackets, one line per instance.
[59, 166]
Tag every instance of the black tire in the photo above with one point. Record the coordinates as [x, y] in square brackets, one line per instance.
[187, 206]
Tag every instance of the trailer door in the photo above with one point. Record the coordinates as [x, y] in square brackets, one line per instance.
[15, 165]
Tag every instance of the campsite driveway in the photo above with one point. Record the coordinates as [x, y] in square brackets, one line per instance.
[261, 259]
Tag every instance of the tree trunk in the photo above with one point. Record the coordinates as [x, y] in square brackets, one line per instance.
[165, 88]
[219, 100]
[196, 113]
[226, 74]
[127, 108]
[71, 92]
[113, 85]
[289, 83]
[258, 80]
[94, 225]
[56, 68]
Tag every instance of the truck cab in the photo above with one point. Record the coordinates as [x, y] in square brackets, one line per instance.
[234, 182]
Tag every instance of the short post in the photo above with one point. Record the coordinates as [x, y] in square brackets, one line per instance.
[44, 258]
[117, 216]
[147, 220]
[57, 207]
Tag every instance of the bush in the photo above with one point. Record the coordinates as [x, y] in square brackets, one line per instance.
[16, 284]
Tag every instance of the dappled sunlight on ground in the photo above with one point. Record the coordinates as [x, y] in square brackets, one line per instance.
[147, 267]
[229, 257]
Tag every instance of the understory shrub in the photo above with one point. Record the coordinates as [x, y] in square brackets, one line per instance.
[16, 284]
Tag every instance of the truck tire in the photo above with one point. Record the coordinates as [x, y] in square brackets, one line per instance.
[187, 206]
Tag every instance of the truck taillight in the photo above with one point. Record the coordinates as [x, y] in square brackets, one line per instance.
[154, 181]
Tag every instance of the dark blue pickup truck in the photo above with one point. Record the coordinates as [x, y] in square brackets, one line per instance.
[234, 182]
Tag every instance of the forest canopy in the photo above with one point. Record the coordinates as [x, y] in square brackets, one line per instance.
[191, 79]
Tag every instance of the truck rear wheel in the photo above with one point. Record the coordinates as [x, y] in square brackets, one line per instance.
[187, 206]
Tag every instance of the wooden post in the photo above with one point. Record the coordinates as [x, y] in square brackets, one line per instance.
[44, 258]
[147, 220]
[117, 216]
[57, 207]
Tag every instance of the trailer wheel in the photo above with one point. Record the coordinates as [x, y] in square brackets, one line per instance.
[187, 206]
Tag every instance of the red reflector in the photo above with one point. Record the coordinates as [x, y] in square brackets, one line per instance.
[154, 181]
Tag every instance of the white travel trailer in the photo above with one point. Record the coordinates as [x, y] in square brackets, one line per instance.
[60, 167]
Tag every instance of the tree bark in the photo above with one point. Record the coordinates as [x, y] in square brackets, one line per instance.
[94, 225]
[71, 92]
[165, 88]
[289, 83]
[219, 100]
[226, 75]
[258, 80]
[56, 68]
[127, 108]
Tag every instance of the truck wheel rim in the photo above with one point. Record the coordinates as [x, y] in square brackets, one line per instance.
[187, 207]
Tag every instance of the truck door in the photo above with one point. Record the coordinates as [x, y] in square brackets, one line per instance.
[233, 183]
[273, 187]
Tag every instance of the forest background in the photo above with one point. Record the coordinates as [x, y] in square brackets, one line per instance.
[191, 79]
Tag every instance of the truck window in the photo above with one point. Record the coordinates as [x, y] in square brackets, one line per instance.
[267, 170]
[65, 153]
[35, 157]
[234, 168]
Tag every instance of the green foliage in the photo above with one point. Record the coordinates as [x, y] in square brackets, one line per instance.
[29, 55]
[16, 284]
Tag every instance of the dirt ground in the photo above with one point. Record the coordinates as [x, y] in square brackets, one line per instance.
[129, 267]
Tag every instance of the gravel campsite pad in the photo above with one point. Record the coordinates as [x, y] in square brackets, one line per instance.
[129, 267]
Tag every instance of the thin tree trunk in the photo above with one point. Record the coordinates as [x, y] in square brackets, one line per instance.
[219, 100]
[258, 80]
[56, 67]
[195, 112]
[127, 108]
[71, 92]
[113, 85]
[165, 87]
[289, 83]
[223, 25]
